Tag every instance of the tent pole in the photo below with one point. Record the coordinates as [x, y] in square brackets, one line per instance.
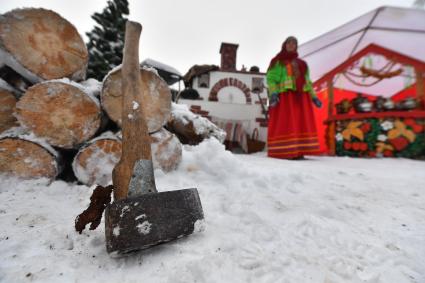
[331, 125]
[420, 88]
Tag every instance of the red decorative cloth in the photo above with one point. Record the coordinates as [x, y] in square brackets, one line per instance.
[292, 130]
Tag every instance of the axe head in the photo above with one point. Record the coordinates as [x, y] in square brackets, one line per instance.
[137, 223]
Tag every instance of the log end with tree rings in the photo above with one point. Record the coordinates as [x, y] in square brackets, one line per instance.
[59, 112]
[7, 106]
[27, 159]
[157, 106]
[94, 162]
[45, 44]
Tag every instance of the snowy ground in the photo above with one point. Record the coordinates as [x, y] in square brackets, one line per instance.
[319, 220]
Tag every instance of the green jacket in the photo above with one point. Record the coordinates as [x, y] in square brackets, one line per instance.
[279, 81]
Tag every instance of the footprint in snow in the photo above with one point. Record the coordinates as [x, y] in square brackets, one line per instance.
[252, 257]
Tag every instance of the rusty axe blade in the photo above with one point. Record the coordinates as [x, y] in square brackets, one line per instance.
[140, 217]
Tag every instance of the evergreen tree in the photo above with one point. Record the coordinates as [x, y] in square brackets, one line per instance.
[419, 4]
[106, 40]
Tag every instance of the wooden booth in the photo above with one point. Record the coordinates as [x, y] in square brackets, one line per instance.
[386, 116]
[369, 74]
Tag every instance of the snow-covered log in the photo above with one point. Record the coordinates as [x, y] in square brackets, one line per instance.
[94, 162]
[41, 45]
[26, 156]
[158, 103]
[191, 128]
[166, 150]
[61, 111]
[7, 106]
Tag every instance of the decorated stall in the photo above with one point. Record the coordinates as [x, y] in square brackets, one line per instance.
[370, 74]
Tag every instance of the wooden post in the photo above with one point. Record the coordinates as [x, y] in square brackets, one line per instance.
[420, 88]
[331, 125]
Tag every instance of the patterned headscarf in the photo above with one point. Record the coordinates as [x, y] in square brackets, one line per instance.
[291, 60]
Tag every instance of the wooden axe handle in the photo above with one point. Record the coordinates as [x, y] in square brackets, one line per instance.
[135, 137]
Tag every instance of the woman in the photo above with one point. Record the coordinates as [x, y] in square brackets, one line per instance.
[292, 130]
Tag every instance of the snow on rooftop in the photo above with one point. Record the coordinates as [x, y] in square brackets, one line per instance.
[161, 66]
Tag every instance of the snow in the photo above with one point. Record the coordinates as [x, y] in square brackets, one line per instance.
[116, 231]
[106, 135]
[160, 66]
[202, 125]
[4, 85]
[152, 70]
[113, 70]
[143, 216]
[135, 105]
[144, 228]
[90, 88]
[324, 219]
[22, 133]
[7, 59]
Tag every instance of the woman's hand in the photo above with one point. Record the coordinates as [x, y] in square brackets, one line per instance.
[274, 100]
[317, 102]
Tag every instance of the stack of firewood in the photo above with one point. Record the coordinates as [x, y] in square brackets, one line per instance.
[53, 120]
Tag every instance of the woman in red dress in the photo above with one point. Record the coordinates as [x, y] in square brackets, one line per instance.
[292, 130]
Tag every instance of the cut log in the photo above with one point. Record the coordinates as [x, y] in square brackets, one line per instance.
[191, 128]
[94, 162]
[41, 45]
[27, 159]
[59, 111]
[7, 106]
[166, 150]
[158, 104]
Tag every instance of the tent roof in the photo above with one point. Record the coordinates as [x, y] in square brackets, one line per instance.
[398, 29]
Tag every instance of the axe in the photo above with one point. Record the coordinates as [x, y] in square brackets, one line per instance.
[140, 216]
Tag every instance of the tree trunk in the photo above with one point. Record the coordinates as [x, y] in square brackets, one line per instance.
[94, 162]
[166, 150]
[7, 106]
[27, 159]
[61, 112]
[158, 101]
[41, 45]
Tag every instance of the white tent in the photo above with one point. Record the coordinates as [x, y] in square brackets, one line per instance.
[398, 29]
